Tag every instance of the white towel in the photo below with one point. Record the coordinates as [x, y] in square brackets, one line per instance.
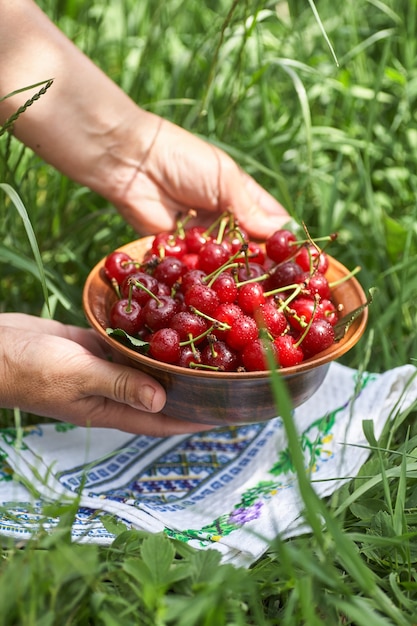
[232, 489]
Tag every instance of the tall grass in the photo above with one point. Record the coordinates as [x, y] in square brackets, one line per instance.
[322, 113]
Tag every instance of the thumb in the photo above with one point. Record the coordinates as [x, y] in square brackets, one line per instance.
[126, 385]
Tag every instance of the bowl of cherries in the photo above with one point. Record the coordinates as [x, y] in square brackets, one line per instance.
[208, 312]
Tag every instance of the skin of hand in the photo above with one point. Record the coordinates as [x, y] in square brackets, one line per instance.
[91, 131]
[78, 383]
[150, 169]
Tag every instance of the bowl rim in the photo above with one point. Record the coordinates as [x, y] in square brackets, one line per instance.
[338, 349]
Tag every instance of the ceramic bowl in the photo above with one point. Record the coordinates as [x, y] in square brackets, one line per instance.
[233, 397]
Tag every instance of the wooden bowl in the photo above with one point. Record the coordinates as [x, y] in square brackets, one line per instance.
[226, 398]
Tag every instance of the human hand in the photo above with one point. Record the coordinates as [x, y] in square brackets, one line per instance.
[148, 167]
[59, 371]
[179, 171]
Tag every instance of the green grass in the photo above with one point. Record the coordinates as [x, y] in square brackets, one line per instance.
[327, 123]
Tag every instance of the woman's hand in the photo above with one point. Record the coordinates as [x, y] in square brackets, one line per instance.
[90, 130]
[177, 172]
[63, 372]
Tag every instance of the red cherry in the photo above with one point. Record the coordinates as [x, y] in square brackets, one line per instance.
[304, 309]
[280, 245]
[164, 345]
[132, 286]
[127, 315]
[188, 356]
[250, 297]
[254, 355]
[190, 260]
[311, 259]
[219, 355]
[189, 325]
[168, 244]
[202, 298]
[288, 352]
[329, 310]
[248, 271]
[319, 337]
[118, 265]
[317, 284]
[212, 255]
[169, 270]
[255, 253]
[225, 287]
[195, 237]
[244, 330]
[270, 317]
[191, 277]
[157, 312]
[287, 273]
[226, 313]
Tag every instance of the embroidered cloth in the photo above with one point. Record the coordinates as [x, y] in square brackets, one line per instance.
[232, 489]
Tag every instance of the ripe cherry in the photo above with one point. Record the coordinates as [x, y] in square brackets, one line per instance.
[254, 355]
[248, 271]
[287, 273]
[140, 285]
[318, 284]
[289, 352]
[157, 312]
[164, 345]
[225, 286]
[220, 356]
[169, 270]
[329, 311]
[226, 313]
[191, 277]
[127, 315]
[212, 255]
[168, 244]
[250, 297]
[244, 330]
[280, 245]
[195, 237]
[270, 317]
[189, 325]
[302, 309]
[202, 298]
[118, 265]
[319, 337]
[189, 356]
[312, 259]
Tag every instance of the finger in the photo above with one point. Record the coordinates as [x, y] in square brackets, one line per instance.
[100, 412]
[124, 385]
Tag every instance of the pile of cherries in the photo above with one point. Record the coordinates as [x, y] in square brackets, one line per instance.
[211, 298]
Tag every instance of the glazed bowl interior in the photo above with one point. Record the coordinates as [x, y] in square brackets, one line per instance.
[223, 398]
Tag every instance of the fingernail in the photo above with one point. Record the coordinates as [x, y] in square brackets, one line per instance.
[147, 395]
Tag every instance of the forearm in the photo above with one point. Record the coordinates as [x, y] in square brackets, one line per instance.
[83, 123]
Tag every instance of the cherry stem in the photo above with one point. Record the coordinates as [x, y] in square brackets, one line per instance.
[191, 341]
[296, 286]
[215, 224]
[230, 264]
[216, 323]
[285, 304]
[137, 283]
[222, 228]
[256, 279]
[181, 223]
[336, 283]
[308, 326]
[116, 287]
[129, 299]
[327, 238]
[202, 366]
